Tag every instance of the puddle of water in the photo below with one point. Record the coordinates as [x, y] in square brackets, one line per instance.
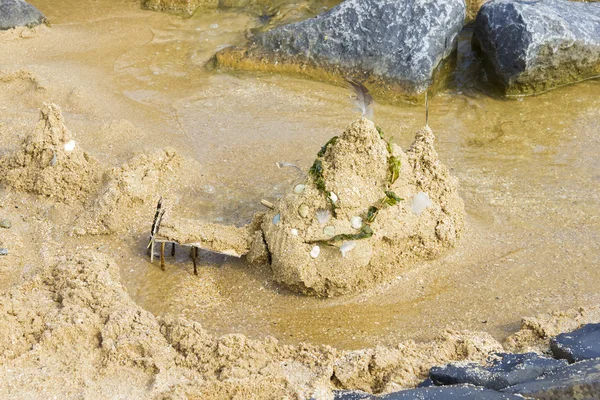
[527, 167]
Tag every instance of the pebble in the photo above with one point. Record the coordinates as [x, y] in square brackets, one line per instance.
[329, 230]
[5, 223]
[299, 189]
[303, 210]
[3, 251]
[276, 219]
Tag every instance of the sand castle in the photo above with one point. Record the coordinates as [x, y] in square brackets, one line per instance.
[366, 211]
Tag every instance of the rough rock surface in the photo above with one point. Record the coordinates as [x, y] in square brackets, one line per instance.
[510, 370]
[302, 231]
[434, 393]
[581, 344]
[534, 46]
[393, 46]
[576, 381]
[15, 13]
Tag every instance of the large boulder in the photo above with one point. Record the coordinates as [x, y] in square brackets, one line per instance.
[533, 46]
[394, 47]
[510, 370]
[581, 344]
[15, 13]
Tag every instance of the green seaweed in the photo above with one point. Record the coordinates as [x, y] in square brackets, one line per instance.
[394, 166]
[391, 199]
[365, 233]
[331, 141]
[380, 131]
[372, 213]
[316, 171]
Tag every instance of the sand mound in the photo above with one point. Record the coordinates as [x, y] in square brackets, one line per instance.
[130, 193]
[72, 330]
[50, 163]
[366, 211]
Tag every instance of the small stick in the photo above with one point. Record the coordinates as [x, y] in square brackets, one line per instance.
[194, 255]
[267, 204]
[173, 250]
[162, 256]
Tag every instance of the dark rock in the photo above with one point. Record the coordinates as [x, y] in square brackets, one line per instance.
[581, 344]
[352, 395]
[426, 383]
[15, 13]
[510, 370]
[576, 381]
[533, 46]
[387, 44]
[449, 393]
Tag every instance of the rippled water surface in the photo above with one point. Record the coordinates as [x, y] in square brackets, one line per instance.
[528, 169]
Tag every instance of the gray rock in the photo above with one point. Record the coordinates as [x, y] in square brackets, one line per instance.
[352, 395]
[5, 223]
[385, 43]
[510, 370]
[3, 251]
[15, 13]
[580, 380]
[449, 393]
[533, 46]
[581, 344]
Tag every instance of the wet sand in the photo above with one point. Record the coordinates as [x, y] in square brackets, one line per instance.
[130, 80]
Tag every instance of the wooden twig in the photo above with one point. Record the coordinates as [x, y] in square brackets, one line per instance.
[194, 253]
[162, 256]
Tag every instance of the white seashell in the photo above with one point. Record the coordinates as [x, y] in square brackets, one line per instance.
[329, 230]
[323, 216]
[333, 197]
[346, 247]
[70, 146]
[356, 222]
[420, 202]
[314, 253]
[299, 189]
[303, 210]
[294, 232]
[276, 219]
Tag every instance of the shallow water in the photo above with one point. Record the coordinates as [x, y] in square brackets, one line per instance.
[527, 167]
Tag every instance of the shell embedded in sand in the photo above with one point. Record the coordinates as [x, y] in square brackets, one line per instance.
[323, 216]
[356, 222]
[70, 146]
[329, 230]
[299, 189]
[314, 253]
[276, 219]
[303, 210]
[346, 247]
[420, 203]
[294, 232]
[333, 197]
